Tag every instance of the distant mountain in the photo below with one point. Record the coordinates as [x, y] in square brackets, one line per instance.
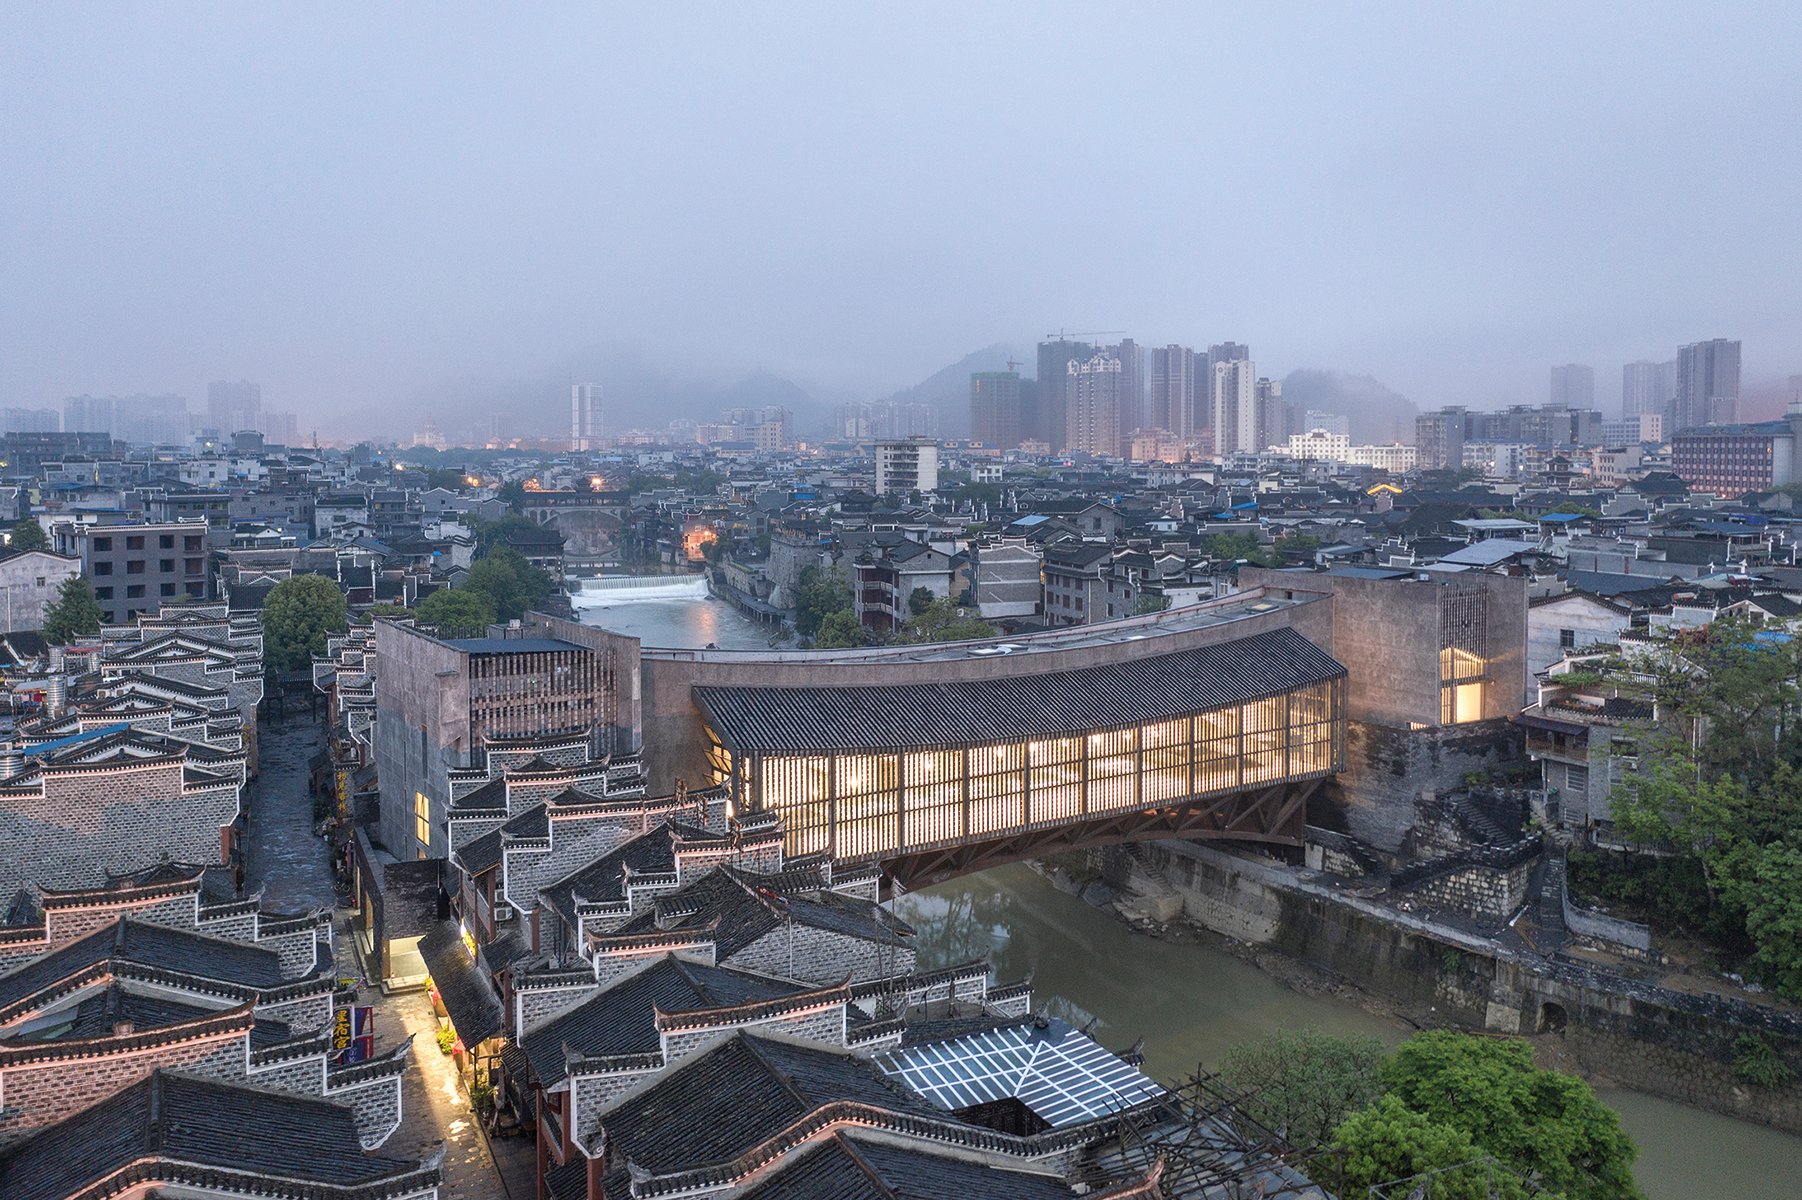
[948, 389]
[1377, 413]
[637, 391]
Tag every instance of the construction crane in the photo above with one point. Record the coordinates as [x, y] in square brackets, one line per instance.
[1062, 336]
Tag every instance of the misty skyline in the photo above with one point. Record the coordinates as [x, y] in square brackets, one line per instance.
[358, 208]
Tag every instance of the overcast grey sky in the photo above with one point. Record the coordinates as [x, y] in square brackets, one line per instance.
[351, 202]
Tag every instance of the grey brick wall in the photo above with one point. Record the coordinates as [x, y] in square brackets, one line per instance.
[816, 956]
[117, 818]
[376, 1106]
[34, 1095]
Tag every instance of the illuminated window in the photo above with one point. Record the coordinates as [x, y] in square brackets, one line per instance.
[422, 822]
[855, 804]
[1460, 687]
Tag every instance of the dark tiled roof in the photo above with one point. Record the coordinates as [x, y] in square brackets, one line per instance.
[622, 1019]
[100, 1014]
[172, 1119]
[534, 822]
[1030, 706]
[745, 910]
[468, 996]
[842, 1168]
[492, 794]
[482, 854]
[719, 1105]
[485, 852]
[148, 945]
[604, 879]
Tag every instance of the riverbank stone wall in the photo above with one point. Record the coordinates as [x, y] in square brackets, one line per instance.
[1667, 1043]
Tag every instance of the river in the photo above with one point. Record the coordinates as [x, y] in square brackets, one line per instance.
[672, 611]
[1190, 1003]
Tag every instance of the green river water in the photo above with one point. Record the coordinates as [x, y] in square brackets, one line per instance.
[1191, 1003]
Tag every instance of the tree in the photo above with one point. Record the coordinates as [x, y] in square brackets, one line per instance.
[492, 535]
[820, 593]
[918, 600]
[513, 494]
[1547, 1126]
[27, 535]
[457, 612]
[451, 479]
[943, 621]
[1150, 602]
[1389, 1142]
[1305, 1083]
[298, 615]
[1231, 547]
[840, 631]
[74, 612]
[512, 585]
[1766, 882]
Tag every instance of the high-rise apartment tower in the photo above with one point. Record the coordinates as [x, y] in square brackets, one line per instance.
[584, 416]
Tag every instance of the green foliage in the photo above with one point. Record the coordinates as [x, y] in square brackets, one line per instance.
[27, 535]
[1389, 1141]
[919, 600]
[1150, 603]
[1670, 891]
[451, 479]
[840, 631]
[943, 621]
[1546, 1125]
[511, 585]
[1305, 1083]
[699, 483]
[513, 494]
[447, 1039]
[1296, 547]
[298, 615]
[1756, 1061]
[457, 612]
[1766, 883]
[821, 592]
[492, 535]
[74, 612]
[1231, 547]
[1726, 796]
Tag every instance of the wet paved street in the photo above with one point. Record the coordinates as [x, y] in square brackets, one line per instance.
[291, 866]
[435, 1108]
[283, 858]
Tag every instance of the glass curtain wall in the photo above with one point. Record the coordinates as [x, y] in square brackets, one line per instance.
[862, 804]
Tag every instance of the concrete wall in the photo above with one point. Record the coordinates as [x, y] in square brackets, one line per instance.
[1667, 1043]
[1387, 633]
[1589, 620]
[1386, 768]
[675, 738]
[421, 731]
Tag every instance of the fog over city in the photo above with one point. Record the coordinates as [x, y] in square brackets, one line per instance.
[381, 214]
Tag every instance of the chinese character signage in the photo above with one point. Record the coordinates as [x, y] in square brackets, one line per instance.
[353, 1033]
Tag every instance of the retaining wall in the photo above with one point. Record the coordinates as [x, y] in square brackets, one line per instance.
[1652, 1039]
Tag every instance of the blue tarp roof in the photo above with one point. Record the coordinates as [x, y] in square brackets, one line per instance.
[76, 739]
